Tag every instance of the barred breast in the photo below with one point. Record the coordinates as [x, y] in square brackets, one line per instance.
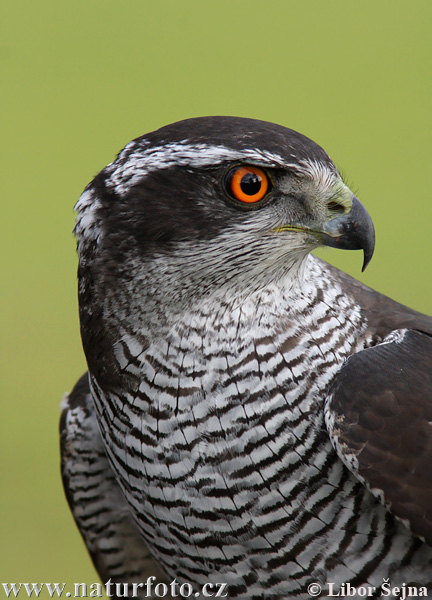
[220, 448]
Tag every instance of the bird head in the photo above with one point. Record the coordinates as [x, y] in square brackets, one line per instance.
[215, 203]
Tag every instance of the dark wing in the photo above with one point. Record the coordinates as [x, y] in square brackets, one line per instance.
[379, 416]
[98, 506]
[379, 408]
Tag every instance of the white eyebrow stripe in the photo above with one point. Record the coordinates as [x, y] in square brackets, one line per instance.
[319, 172]
[134, 163]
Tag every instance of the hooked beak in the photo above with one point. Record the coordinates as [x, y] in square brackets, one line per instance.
[353, 231]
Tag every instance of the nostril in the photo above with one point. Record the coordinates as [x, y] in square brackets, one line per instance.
[335, 207]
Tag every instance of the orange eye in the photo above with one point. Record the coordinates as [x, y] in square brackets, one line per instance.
[247, 184]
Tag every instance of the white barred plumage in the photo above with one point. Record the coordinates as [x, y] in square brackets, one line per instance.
[215, 344]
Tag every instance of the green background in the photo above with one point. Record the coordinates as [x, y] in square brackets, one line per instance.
[82, 78]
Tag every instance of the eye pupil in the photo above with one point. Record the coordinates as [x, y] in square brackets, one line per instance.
[250, 184]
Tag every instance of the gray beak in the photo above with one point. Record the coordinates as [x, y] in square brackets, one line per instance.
[353, 231]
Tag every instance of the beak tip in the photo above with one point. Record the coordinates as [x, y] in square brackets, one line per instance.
[367, 256]
[369, 245]
[366, 261]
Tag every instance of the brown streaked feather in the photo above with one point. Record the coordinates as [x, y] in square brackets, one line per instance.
[384, 315]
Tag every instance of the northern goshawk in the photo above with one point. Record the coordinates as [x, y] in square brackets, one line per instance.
[250, 415]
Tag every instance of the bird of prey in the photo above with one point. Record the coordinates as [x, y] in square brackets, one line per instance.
[251, 415]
